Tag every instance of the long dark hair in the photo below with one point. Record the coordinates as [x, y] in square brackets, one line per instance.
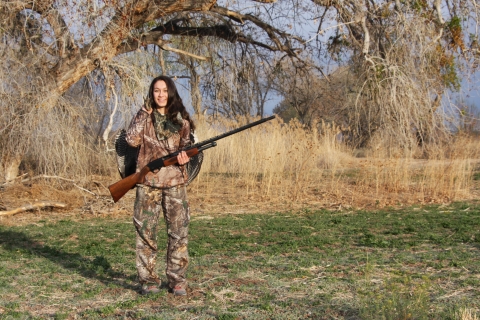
[174, 102]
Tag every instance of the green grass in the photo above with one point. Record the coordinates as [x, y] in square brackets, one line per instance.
[476, 176]
[413, 263]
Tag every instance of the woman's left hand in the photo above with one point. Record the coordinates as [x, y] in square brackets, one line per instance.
[182, 158]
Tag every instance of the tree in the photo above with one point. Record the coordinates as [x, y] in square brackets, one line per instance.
[309, 96]
[405, 56]
[238, 81]
[468, 118]
[68, 55]
[50, 45]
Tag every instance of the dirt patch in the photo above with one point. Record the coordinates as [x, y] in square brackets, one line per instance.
[91, 198]
[19, 194]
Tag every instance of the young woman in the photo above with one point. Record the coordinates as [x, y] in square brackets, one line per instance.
[160, 127]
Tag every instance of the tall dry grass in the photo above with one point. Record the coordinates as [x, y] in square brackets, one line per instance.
[271, 161]
[276, 165]
[288, 165]
[443, 174]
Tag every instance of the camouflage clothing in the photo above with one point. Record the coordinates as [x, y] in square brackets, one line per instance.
[148, 204]
[164, 128]
[141, 132]
[162, 191]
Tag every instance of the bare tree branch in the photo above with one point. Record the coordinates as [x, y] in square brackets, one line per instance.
[167, 48]
[272, 32]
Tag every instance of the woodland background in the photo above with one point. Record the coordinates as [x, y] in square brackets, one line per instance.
[372, 99]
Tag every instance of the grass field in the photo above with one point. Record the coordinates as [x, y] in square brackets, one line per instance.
[411, 263]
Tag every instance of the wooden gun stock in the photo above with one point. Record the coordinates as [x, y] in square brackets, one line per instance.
[120, 188]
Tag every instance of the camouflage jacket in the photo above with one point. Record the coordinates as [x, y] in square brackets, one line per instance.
[141, 132]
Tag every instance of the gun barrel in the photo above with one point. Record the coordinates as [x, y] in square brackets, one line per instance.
[207, 146]
[229, 133]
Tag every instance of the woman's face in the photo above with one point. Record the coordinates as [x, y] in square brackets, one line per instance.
[160, 93]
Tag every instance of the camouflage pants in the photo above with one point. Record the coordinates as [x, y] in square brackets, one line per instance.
[148, 204]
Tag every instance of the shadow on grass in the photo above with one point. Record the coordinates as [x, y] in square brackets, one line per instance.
[96, 268]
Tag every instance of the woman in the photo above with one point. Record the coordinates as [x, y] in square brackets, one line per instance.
[160, 127]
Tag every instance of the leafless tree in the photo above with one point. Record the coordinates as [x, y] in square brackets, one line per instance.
[238, 82]
[405, 56]
[310, 96]
[110, 28]
[50, 45]
[468, 118]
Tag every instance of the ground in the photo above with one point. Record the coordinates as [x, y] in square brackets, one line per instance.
[91, 198]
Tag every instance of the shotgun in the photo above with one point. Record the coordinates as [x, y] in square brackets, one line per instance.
[120, 188]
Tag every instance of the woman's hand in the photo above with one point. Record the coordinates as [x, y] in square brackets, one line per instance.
[147, 110]
[182, 158]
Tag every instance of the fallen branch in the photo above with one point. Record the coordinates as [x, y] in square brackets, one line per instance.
[12, 180]
[34, 206]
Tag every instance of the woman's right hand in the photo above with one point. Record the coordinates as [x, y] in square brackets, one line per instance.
[149, 111]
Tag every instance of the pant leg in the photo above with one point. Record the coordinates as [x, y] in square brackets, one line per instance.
[147, 210]
[177, 218]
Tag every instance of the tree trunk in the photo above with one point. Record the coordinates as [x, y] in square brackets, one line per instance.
[11, 168]
[195, 93]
